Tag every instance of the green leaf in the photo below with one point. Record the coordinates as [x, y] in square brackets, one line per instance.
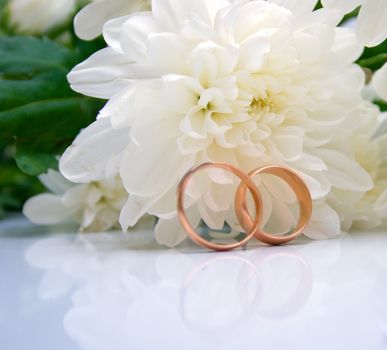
[38, 110]
[374, 57]
[374, 63]
[34, 163]
[4, 27]
[382, 105]
[29, 55]
[15, 186]
[350, 15]
[8, 201]
[3, 3]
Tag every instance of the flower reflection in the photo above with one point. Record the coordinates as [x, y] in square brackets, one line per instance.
[217, 293]
[288, 282]
[257, 287]
[118, 294]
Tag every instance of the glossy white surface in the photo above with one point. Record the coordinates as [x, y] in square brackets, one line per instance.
[60, 290]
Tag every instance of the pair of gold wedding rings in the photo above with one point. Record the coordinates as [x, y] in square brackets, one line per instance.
[252, 226]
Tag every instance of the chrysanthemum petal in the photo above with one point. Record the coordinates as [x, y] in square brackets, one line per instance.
[171, 233]
[379, 82]
[46, 209]
[324, 224]
[372, 24]
[89, 22]
[90, 157]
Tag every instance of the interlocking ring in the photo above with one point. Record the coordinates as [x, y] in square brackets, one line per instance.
[250, 225]
[248, 184]
[302, 194]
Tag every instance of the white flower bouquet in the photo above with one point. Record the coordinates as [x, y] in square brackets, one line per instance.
[294, 83]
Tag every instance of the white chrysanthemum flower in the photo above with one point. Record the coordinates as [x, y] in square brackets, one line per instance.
[371, 27]
[88, 23]
[248, 83]
[95, 206]
[365, 210]
[39, 16]
[371, 22]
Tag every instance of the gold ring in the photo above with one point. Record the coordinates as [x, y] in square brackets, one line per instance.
[302, 194]
[247, 182]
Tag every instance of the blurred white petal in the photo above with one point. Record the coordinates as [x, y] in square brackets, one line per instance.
[88, 23]
[171, 233]
[372, 24]
[39, 16]
[90, 157]
[324, 224]
[379, 82]
[46, 209]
